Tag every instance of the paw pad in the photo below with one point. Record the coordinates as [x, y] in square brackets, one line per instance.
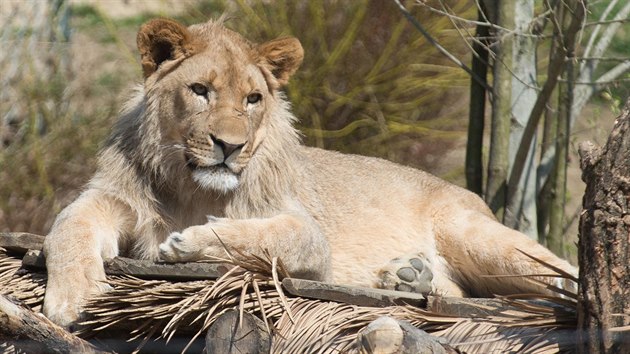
[406, 274]
[410, 273]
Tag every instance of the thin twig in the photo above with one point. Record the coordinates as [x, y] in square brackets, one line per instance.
[441, 49]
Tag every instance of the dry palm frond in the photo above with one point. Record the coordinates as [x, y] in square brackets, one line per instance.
[331, 327]
[165, 307]
[22, 285]
[561, 273]
[479, 336]
[154, 309]
[8, 266]
[530, 324]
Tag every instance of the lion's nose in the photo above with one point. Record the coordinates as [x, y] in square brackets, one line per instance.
[227, 148]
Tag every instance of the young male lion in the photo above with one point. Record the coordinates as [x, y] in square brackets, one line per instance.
[207, 148]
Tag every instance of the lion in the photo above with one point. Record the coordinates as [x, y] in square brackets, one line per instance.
[205, 158]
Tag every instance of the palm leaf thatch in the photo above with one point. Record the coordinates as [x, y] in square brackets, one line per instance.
[28, 287]
[147, 310]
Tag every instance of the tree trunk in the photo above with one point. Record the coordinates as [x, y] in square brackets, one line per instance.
[474, 145]
[555, 237]
[604, 251]
[501, 111]
[547, 146]
[520, 209]
[569, 35]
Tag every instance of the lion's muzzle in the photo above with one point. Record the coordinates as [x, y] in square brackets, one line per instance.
[227, 148]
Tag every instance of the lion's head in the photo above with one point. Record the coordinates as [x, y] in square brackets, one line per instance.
[210, 96]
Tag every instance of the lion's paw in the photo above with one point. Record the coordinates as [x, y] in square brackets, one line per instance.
[66, 293]
[410, 273]
[178, 248]
[196, 242]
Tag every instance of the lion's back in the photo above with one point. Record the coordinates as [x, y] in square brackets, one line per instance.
[373, 210]
[356, 177]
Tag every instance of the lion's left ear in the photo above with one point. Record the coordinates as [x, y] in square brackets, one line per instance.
[283, 56]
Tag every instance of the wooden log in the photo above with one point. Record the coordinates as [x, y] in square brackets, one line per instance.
[144, 269]
[34, 259]
[604, 243]
[231, 335]
[31, 332]
[382, 335]
[387, 335]
[351, 295]
[20, 242]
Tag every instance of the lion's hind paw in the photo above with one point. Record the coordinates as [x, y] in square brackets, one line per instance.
[410, 273]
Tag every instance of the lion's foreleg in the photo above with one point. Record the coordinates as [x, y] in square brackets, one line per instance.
[84, 234]
[295, 239]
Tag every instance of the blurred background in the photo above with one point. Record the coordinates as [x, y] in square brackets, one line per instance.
[370, 84]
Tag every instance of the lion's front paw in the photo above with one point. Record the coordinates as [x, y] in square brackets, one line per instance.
[62, 311]
[408, 273]
[195, 243]
[66, 293]
[179, 247]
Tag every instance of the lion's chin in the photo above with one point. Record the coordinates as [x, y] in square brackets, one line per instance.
[218, 179]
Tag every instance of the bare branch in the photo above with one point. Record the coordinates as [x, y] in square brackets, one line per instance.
[441, 49]
[591, 40]
[583, 92]
[597, 45]
[453, 17]
[623, 20]
[601, 58]
[613, 73]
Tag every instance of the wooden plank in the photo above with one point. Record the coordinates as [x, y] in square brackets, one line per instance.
[144, 269]
[168, 271]
[230, 335]
[351, 295]
[20, 242]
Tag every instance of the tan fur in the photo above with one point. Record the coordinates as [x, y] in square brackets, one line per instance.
[161, 192]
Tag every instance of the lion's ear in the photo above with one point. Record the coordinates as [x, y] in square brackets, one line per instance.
[283, 56]
[160, 40]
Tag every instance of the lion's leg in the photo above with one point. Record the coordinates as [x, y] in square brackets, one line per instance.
[83, 235]
[416, 273]
[287, 236]
[480, 250]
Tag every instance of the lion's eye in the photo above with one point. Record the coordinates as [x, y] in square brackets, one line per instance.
[199, 89]
[254, 98]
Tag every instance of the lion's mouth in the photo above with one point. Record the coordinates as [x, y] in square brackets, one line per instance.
[195, 167]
